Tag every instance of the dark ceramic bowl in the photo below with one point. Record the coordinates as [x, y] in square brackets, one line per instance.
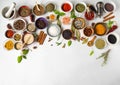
[41, 23]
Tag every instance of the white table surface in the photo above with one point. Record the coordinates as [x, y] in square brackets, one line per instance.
[52, 65]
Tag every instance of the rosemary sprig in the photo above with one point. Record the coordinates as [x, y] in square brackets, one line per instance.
[104, 56]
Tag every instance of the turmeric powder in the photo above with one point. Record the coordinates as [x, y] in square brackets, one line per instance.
[100, 29]
[9, 45]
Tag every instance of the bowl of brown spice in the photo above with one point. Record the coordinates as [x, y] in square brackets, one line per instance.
[88, 31]
[24, 11]
[19, 24]
[39, 9]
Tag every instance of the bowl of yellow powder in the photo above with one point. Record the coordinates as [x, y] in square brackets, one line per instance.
[100, 29]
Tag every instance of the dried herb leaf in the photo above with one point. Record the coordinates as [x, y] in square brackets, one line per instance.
[64, 45]
[91, 52]
[85, 41]
[19, 59]
[69, 43]
[73, 28]
[58, 43]
[77, 33]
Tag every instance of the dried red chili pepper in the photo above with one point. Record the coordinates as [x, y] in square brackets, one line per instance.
[32, 18]
[113, 28]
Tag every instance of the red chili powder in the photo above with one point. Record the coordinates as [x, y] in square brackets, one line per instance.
[66, 7]
[9, 33]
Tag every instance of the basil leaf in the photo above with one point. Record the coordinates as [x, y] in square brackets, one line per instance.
[19, 59]
[110, 23]
[25, 51]
[61, 13]
[56, 11]
[24, 56]
[69, 43]
[72, 14]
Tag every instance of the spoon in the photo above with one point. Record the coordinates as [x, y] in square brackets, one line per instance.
[91, 42]
[37, 6]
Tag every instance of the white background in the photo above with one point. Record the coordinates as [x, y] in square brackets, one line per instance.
[52, 65]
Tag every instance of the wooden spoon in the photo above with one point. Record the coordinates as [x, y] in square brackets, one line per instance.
[91, 42]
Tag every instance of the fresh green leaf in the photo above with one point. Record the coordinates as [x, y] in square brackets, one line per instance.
[58, 43]
[77, 32]
[61, 13]
[72, 14]
[24, 56]
[91, 52]
[56, 11]
[25, 51]
[19, 59]
[110, 23]
[69, 43]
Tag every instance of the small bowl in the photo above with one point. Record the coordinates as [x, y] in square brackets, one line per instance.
[37, 12]
[54, 30]
[98, 29]
[79, 23]
[13, 15]
[67, 34]
[110, 6]
[51, 5]
[9, 33]
[113, 38]
[77, 5]
[67, 3]
[41, 23]
[19, 24]
[9, 46]
[28, 38]
[31, 27]
[17, 37]
[88, 31]
[24, 11]
[100, 43]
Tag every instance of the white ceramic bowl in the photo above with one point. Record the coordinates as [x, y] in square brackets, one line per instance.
[117, 37]
[69, 4]
[23, 21]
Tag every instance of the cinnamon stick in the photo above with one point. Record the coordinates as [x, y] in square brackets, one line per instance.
[43, 38]
[40, 36]
[108, 15]
[108, 18]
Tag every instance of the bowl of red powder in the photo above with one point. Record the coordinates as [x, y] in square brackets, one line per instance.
[67, 6]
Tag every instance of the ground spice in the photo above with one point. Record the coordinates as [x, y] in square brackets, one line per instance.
[9, 33]
[100, 43]
[100, 29]
[9, 45]
[66, 7]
